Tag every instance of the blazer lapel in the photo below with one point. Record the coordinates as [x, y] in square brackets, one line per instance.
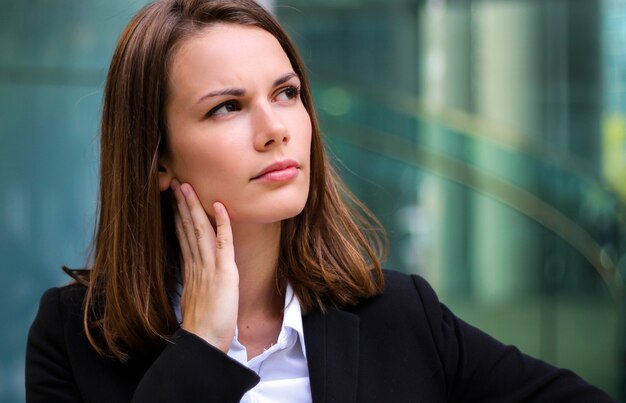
[332, 350]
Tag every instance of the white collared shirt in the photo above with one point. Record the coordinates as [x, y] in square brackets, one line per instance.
[282, 367]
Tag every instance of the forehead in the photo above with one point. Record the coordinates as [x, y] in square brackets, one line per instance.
[224, 52]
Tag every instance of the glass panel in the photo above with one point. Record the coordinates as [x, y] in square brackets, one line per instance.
[473, 130]
[53, 65]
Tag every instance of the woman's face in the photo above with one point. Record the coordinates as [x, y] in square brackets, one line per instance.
[237, 129]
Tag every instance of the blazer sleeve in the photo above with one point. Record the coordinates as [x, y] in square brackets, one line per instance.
[478, 368]
[188, 369]
[191, 370]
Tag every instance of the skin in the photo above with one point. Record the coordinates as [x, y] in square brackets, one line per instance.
[233, 110]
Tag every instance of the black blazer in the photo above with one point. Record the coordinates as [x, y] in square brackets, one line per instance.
[402, 346]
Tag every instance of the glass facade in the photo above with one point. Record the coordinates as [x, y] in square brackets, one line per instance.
[53, 61]
[488, 136]
[477, 131]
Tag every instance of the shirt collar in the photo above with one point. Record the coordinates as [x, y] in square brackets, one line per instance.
[292, 316]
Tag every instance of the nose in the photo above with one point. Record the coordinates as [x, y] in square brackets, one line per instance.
[269, 128]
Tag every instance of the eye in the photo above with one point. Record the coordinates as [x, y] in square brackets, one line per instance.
[224, 109]
[288, 93]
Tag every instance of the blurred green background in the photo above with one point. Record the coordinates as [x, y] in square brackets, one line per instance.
[489, 136]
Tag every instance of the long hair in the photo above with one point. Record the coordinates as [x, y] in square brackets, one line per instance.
[330, 253]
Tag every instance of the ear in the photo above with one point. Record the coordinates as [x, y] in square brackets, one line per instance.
[165, 174]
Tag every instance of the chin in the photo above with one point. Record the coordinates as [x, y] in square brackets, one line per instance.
[283, 213]
[269, 212]
[294, 212]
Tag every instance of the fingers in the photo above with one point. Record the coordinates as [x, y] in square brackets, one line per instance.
[201, 233]
[182, 238]
[184, 224]
[225, 252]
[196, 235]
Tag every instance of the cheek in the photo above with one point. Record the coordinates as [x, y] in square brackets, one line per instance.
[304, 130]
[189, 160]
[205, 152]
[202, 166]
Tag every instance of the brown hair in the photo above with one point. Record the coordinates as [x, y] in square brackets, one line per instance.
[330, 253]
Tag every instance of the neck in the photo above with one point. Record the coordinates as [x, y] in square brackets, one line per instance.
[256, 255]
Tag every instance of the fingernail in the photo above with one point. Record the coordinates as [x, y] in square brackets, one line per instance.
[174, 184]
[185, 190]
[217, 207]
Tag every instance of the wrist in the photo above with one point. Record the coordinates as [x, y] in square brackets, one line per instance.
[220, 343]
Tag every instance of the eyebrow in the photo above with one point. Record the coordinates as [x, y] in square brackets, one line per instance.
[284, 79]
[239, 92]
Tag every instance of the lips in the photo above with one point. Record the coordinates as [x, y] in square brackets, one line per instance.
[280, 170]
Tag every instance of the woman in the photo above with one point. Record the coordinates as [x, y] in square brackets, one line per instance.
[227, 265]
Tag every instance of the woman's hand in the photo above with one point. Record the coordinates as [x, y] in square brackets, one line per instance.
[210, 297]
